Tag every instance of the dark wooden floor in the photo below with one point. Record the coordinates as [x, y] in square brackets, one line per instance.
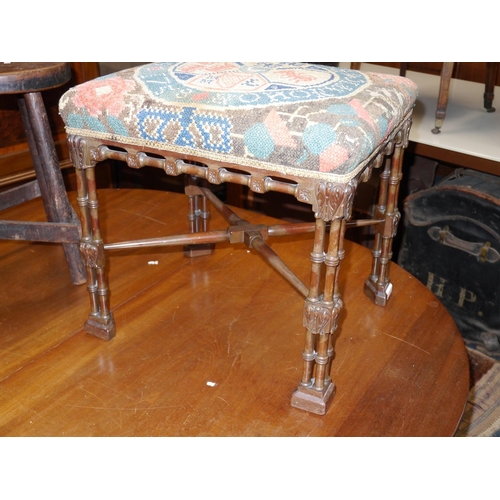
[212, 346]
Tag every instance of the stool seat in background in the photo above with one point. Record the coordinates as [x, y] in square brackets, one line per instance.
[28, 80]
[308, 130]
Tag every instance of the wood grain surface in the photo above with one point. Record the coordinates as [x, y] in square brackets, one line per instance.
[211, 346]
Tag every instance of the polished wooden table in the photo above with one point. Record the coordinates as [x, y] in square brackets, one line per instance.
[211, 346]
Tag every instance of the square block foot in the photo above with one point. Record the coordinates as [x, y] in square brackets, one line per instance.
[105, 331]
[198, 250]
[377, 295]
[313, 401]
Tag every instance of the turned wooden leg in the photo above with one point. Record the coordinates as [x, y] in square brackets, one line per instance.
[48, 174]
[198, 216]
[316, 389]
[100, 321]
[489, 89]
[444, 89]
[378, 286]
[317, 260]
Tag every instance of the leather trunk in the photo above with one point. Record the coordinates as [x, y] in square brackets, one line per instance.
[451, 243]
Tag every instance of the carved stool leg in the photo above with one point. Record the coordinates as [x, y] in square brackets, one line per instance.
[378, 286]
[198, 216]
[100, 321]
[317, 260]
[336, 298]
[316, 389]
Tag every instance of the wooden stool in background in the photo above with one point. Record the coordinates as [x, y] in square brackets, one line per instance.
[28, 80]
[444, 89]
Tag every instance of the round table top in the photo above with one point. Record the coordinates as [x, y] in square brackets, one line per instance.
[24, 77]
[211, 346]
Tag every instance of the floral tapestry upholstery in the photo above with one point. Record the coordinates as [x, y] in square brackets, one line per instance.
[303, 119]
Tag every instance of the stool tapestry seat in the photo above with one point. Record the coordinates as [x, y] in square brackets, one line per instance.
[308, 130]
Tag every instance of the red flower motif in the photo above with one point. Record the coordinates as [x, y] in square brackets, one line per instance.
[103, 95]
[296, 76]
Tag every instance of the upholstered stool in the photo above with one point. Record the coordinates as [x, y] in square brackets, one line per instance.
[311, 131]
[28, 80]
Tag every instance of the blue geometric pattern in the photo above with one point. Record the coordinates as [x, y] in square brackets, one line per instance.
[214, 131]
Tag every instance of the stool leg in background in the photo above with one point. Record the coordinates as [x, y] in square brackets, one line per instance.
[444, 90]
[489, 89]
[48, 173]
[198, 216]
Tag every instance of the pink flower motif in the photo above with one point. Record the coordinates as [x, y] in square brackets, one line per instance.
[99, 96]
